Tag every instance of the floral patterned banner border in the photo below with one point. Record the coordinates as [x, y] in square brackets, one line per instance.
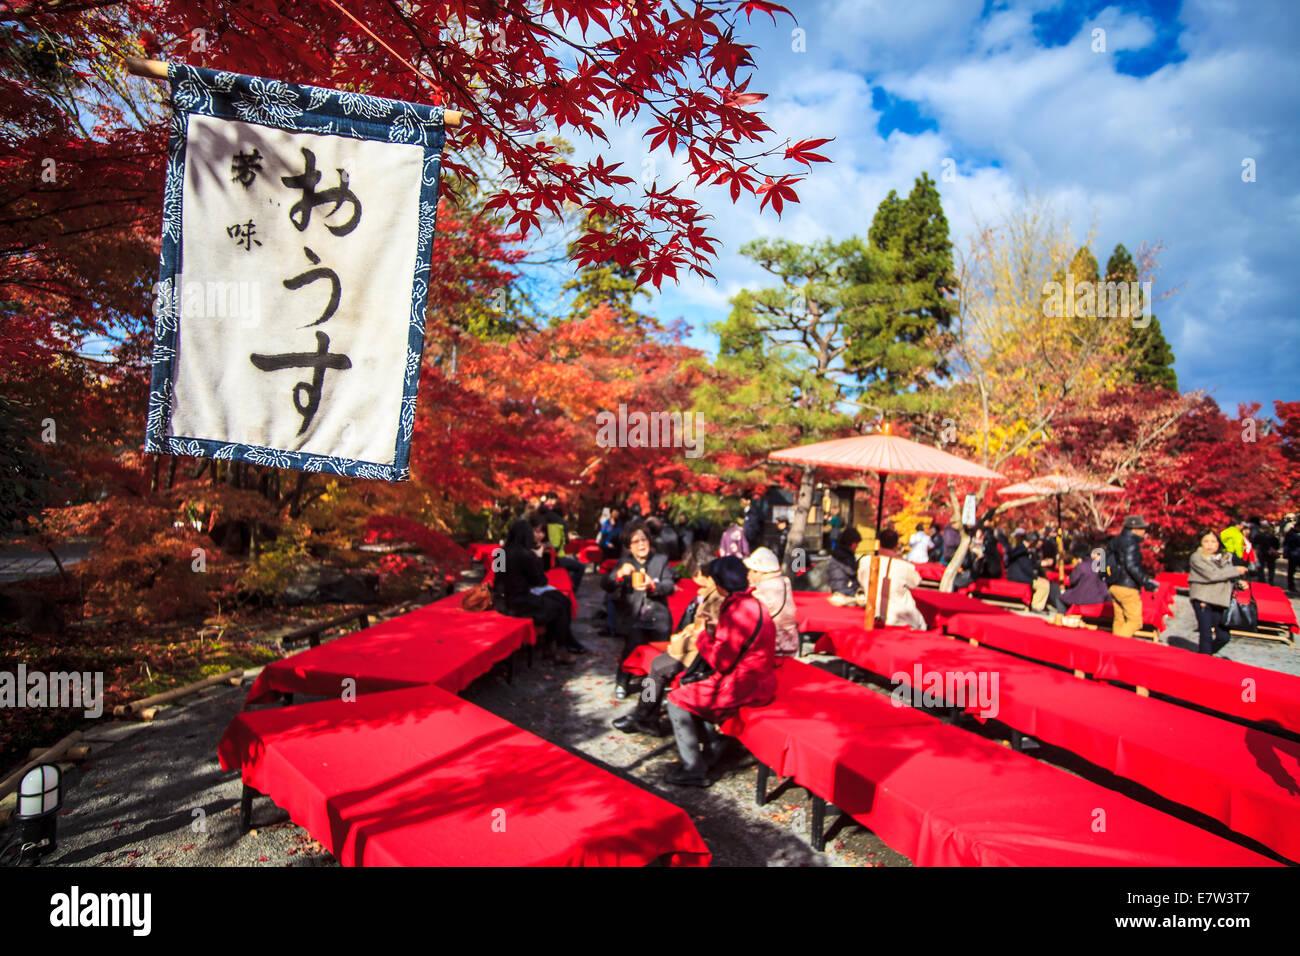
[307, 109]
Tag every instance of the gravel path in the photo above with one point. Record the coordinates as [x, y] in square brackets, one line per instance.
[153, 794]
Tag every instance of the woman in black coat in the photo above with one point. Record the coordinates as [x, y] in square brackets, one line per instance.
[842, 568]
[514, 588]
[639, 584]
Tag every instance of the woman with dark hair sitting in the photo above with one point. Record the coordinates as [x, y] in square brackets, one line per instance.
[1025, 566]
[639, 584]
[741, 658]
[545, 552]
[701, 614]
[522, 590]
[842, 569]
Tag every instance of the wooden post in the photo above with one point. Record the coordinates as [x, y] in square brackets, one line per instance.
[157, 70]
[873, 582]
[51, 755]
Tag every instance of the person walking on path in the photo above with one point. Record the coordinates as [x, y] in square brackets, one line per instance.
[1210, 579]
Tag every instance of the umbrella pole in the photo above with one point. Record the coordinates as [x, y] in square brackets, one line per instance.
[1058, 511]
[880, 504]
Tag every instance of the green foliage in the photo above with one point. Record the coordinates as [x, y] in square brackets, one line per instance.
[1151, 354]
[916, 231]
[25, 474]
[272, 570]
[603, 283]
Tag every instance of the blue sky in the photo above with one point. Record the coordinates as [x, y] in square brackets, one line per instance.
[1143, 141]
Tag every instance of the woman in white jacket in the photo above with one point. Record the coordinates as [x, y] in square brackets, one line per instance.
[902, 576]
[773, 588]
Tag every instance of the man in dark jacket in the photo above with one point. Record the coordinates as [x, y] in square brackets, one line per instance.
[1127, 576]
[755, 521]
[1266, 546]
[951, 542]
[1291, 551]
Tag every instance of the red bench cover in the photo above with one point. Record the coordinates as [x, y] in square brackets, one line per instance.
[1157, 605]
[931, 570]
[937, 607]
[1246, 778]
[1230, 687]
[945, 797]
[419, 777]
[1002, 588]
[814, 613]
[437, 644]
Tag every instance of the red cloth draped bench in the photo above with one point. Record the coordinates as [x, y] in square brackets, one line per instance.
[1002, 589]
[931, 570]
[1157, 606]
[419, 777]
[1229, 687]
[1274, 606]
[814, 613]
[482, 553]
[639, 661]
[438, 644]
[1246, 778]
[937, 606]
[946, 797]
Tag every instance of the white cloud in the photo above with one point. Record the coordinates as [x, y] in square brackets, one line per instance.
[1156, 158]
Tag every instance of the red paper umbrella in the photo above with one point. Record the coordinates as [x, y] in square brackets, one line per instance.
[885, 454]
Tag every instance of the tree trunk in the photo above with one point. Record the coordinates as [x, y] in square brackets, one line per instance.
[799, 524]
[954, 565]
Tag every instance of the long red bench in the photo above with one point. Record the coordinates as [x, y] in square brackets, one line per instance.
[1246, 778]
[946, 797]
[937, 606]
[419, 777]
[1274, 605]
[814, 613]
[1229, 687]
[1157, 607]
[1002, 589]
[438, 644]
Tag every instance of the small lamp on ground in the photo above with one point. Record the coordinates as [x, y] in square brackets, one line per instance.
[40, 796]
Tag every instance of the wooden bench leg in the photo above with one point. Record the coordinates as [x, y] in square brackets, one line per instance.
[760, 788]
[246, 808]
[818, 834]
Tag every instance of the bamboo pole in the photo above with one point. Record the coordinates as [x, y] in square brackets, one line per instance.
[873, 581]
[50, 756]
[138, 707]
[157, 70]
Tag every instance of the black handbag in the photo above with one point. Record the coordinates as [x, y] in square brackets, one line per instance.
[1242, 615]
[700, 668]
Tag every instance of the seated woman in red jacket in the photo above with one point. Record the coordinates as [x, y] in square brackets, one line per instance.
[741, 652]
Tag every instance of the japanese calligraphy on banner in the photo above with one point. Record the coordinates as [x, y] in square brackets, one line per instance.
[289, 315]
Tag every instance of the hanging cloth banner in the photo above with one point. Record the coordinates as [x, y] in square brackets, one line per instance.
[289, 314]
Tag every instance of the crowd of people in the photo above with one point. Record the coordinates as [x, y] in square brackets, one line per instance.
[723, 651]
